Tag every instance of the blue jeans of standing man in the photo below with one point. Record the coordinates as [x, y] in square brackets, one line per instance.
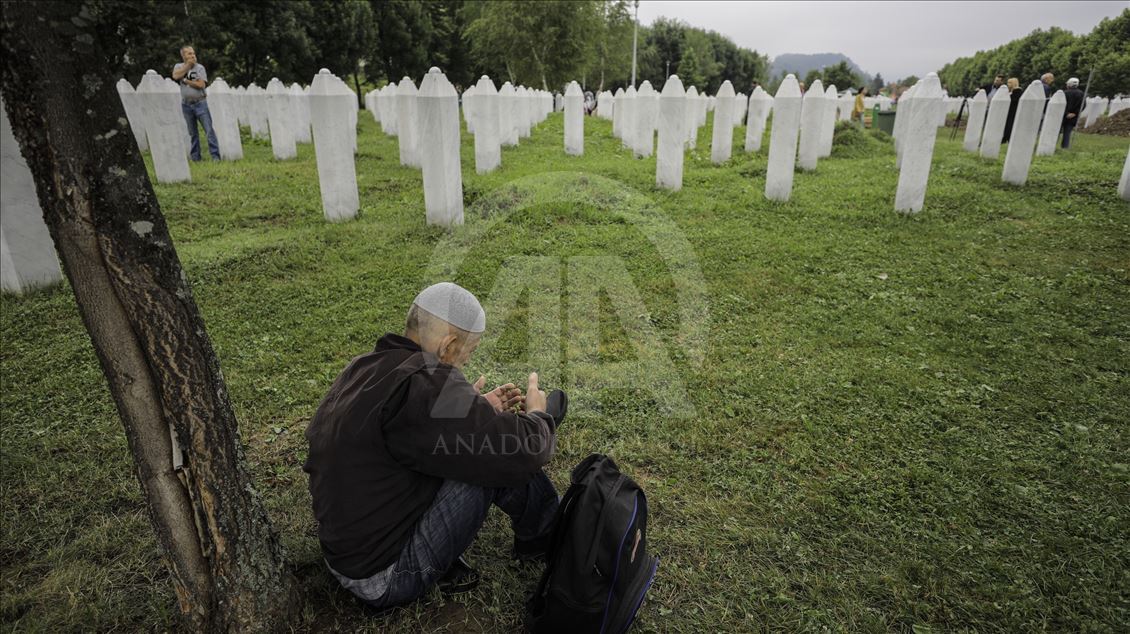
[1068, 128]
[447, 529]
[194, 112]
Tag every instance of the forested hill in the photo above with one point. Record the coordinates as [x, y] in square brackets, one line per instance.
[801, 64]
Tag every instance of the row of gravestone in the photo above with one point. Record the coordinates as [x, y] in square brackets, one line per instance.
[326, 113]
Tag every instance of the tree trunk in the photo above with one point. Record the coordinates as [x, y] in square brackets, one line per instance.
[226, 563]
[360, 97]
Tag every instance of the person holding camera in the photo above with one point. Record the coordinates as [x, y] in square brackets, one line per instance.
[192, 78]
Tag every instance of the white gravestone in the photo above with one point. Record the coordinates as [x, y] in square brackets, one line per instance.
[407, 125]
[902, 116]
[628, 121]
[165, 128]
[507, 112]
[1053, 120]
[468, 99]
[617, 112]
[993, 133]
[257, 111]
[783, 140]
[329, 118]
[521, 111]
[438, 106]
[647, 107]
[389, 102]
[918, 144]
[828, 128]
[574, 120]
[1018, 158]
[488, 146]
[672, 136]
[690, 126]
[222, 105]
[1124, 182]
[241, 106]
[976, 120]
[280, 120]
[722, 135]
[301, 105]
[27, 253]
[759, 105]
[811, 125]
[132, 105]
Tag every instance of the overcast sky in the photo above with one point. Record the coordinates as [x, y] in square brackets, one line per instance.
[893, 38]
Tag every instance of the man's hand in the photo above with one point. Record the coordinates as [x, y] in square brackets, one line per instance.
[535, 398]
[502, 397]
[1071, 115]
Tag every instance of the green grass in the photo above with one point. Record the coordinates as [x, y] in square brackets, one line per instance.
[845, 419]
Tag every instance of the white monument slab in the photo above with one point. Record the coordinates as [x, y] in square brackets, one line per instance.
[574, 120]
[280, 120]
[222, 105]
[975, 122]
[438, 106]
[783, 140]
[132, 106]
[330, 103]
[722, 135]
[507, 113]
[918, 144]
[691, 111]
[1124, 182]
[407, 125]
[993, 134]
[27, 252]
[1018, 158]
[165, 128]
[828, 128]
[646, 112]
[811, 125]
[760, 104]
[257, 111]
[672, 135]
[488, 145]
[1053, 120]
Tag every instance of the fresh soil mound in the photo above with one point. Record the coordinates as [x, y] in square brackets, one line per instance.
[1115, 125]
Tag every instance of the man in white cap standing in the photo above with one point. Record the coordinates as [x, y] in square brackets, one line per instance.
[1074, 108]
[407, 456]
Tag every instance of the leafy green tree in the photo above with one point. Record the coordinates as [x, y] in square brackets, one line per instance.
[342, 37]
[877, 84]
[611, 52]
[811, 77]
[406, 32]
[841, 75]
[537, 42]
[690, 68]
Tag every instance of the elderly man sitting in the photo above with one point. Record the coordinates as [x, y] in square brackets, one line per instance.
[406, 457]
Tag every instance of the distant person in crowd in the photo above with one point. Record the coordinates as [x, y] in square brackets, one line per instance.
[1048, 79]
[590, 102]
[407, 456]
[1073, 110]
[857, 108]
[801, 84]
[1014, 93]
[192, 78]
[991, 89]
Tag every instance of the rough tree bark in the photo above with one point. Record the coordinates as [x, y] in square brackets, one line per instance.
[227, 565]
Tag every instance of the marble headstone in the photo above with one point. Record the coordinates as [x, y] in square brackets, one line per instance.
[407, 125]
[329, 118]
[918, 144]
[280, 120]
[646, 113]
[993, 133]
[811, 125]
[672, 136]
[828, 129]
[27, 252]
[760, 104]
[1022, 143]
[438, 106]
[132, 105]
[783, 140]
[488, 146]
[222, 105]
[165, 128]
[1053, 120]
[574, 120]
[722, 135]
[975, 122]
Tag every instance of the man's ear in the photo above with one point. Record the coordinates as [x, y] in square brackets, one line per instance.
[447, 348]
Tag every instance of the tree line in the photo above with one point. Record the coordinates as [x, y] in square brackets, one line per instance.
[370, 42]
[1105, 50]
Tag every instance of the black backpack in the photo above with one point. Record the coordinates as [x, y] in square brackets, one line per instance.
[597, 567]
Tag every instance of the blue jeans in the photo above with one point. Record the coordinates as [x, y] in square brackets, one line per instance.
[194, 112]
[447, 529]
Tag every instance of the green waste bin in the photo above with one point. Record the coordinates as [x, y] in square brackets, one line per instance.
[884, 121]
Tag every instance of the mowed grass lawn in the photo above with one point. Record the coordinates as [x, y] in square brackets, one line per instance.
[845, 419]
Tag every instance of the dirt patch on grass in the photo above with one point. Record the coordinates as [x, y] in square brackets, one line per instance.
[1117, 124]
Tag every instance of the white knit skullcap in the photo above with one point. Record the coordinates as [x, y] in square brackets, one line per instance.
[1074, 81]
[454, 304]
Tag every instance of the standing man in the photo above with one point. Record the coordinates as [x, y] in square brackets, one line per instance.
[1048, 79]
[1071, 112]
[193, 101]
[991, 89]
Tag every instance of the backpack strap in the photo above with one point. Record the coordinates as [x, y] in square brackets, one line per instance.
[558, 534]
[594, 548]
